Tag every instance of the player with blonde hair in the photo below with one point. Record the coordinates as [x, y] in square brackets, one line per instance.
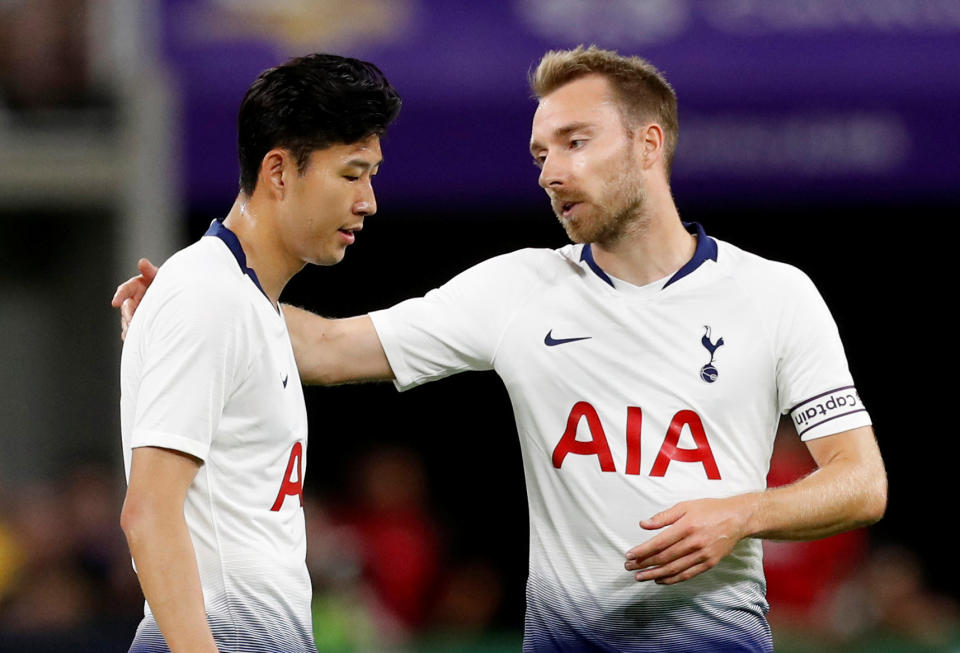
[648, 365]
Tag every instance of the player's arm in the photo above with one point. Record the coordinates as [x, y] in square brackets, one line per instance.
[328, 351]
[331, 351]
[848, 490]
[153, 522]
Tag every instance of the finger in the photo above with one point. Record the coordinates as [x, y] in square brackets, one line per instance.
[126, 311]
[687, 574]
[653, 546]
[664, 518]
[118, 296]
[132, 287]
[676, 568]
[668, 555]
[123, 330]
[147, 269]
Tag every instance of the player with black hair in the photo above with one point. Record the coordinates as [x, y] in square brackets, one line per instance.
[648, 365]
[212, 413]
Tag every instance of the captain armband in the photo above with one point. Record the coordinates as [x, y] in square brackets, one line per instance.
[831, 412]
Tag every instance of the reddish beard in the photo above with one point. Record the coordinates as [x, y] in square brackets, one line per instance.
[620, 202]
[603, 222]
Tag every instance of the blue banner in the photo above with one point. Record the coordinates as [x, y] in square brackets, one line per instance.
[854, 100]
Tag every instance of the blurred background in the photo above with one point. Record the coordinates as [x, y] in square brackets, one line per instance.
[816, 132]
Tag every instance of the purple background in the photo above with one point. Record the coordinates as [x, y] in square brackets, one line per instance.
[850, 100]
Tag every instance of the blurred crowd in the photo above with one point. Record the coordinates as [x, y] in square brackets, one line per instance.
[385, 579]
[847, 593]
[45, 56]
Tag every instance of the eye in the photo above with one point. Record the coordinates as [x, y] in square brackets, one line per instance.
[538, 161]
[577, 143]
[350, 178]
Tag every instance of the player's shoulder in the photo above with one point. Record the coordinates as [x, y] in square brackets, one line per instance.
[202, 278]
[520, 268]
[759, 274]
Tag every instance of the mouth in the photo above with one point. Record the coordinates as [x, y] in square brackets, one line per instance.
[349, 234]
[565, 209]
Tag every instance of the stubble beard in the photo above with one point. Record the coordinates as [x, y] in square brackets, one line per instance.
[620, 207]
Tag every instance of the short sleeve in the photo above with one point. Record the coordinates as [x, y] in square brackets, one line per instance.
[458, 326]
[188, 354]
[813, 379]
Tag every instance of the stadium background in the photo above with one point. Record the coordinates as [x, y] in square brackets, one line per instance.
[819, 133]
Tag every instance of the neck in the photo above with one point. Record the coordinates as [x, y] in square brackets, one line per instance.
[253, 224]
[653, 246]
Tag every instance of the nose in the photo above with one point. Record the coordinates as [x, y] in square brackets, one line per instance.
[553, 173]
[366, 203]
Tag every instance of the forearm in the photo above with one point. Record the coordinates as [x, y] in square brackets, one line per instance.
[332, 351]
[168, 574]
[847, 491]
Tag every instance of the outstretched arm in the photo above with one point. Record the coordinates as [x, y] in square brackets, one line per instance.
[331, 351]
[849, 489]
[328, 351]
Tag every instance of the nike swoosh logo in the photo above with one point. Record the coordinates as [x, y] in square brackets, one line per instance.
[550, 341]
[285, 380]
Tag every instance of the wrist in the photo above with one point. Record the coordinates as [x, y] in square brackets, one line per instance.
[752, 505]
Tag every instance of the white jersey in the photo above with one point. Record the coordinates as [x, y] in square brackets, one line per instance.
[208, 369]
[627, 402]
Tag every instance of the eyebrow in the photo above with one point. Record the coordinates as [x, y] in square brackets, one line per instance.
[361, 163]
[560, 132]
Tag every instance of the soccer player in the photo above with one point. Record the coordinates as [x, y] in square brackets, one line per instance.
[648, 365]
[212, 412]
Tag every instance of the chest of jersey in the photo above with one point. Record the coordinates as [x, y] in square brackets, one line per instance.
[681, 385]
[263, 434]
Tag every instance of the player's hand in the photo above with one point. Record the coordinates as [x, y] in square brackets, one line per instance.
[697, 535]
[130, 292]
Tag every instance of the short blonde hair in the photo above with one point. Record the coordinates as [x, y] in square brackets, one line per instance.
[641, 90]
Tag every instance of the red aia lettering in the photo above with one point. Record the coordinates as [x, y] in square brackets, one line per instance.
[670, 451]
[634, 422]
[598, 445]
[292, 484]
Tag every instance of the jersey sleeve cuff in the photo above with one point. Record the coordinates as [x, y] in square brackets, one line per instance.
[145, 438]
[404, 378]
[829, 413]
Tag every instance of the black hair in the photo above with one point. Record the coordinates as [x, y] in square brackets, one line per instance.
[310, 103]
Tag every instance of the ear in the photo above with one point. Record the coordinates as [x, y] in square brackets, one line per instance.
[650, 139]
[276, 169]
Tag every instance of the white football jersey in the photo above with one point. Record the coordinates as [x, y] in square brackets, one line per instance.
[208, 369]
[627, 402]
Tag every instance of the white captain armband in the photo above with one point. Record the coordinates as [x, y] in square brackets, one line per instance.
[828, 413]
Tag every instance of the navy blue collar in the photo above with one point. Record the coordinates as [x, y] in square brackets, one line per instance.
[218, 230]
[706, 251]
